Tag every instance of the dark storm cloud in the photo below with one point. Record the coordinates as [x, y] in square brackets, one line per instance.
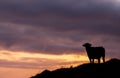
[57, 26]
[62, 15]
[52, 8]
[22, 38]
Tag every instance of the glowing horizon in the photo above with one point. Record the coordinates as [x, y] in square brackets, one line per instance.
[36, 62]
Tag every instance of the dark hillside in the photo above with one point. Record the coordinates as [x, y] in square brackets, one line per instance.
[109, 69]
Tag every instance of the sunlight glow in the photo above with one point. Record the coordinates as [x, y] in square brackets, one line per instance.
[18, 56]
[16, 72]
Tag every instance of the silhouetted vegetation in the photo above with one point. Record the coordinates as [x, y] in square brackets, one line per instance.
[109, 69]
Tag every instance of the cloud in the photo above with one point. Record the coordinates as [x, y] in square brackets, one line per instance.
[58, 26]
[37, 63]
[62, 15]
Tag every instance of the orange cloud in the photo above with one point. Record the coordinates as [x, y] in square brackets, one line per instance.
[40, 58]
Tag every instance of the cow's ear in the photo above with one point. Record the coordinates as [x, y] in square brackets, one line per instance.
[87, 45]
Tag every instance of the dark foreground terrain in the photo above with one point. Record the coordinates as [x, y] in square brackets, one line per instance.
[109, 69]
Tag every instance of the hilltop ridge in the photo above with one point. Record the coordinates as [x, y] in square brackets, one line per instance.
[109, 69]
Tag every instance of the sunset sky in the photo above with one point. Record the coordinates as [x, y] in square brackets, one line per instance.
[47, 34]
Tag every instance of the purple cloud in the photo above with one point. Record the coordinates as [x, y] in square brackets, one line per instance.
[58, 26]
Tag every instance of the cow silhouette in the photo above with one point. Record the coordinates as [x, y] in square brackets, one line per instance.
[94, 52]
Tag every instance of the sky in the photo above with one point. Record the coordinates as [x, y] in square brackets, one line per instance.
[48, 34]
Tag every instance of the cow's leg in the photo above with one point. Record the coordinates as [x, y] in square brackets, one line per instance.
[90, 60]
[93, 60]
[98, 60]
[103, 59]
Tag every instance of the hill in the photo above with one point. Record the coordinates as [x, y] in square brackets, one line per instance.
[109, 69]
